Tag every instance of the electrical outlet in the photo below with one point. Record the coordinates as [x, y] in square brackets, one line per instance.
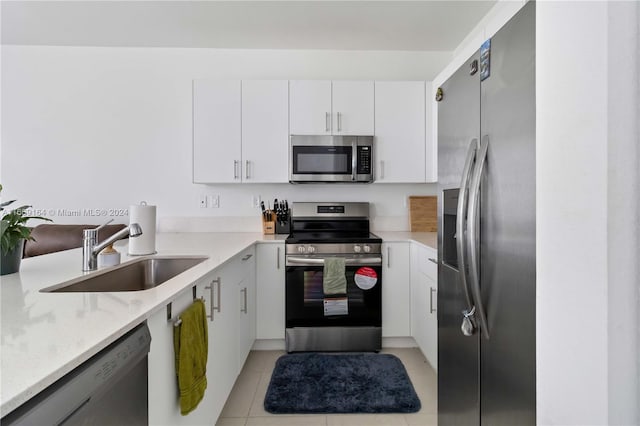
[255, 201]
[203, 202]
[214, 201]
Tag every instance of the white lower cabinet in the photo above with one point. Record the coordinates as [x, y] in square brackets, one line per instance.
[231, 332]
[245, 300]
[396, 319]
[424, 302]
[270, 279]
[164, 408]
[246, 306]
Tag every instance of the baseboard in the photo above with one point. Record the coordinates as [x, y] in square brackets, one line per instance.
[268, 345]
[399, 342]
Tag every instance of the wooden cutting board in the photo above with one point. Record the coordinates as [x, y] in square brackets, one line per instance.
[423, 213]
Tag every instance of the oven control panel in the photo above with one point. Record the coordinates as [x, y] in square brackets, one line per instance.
[326, 248]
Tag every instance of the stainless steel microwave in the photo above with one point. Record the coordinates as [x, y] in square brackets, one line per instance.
[323, 159]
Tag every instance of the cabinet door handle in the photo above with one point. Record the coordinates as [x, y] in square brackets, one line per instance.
[381, 169]
[219, 307]
[244, 291]
[339, 121]
[235, 169]
[246, 169]
[388, 257]
[278, 259]
[431, 308]
[247, 257]
[211, 296]
[327, 118]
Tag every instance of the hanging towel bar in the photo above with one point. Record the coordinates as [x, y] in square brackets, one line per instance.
[178, 321]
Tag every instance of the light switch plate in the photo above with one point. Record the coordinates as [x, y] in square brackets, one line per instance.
[214, 201]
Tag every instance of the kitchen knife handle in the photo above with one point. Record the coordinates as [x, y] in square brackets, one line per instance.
[327, 119]
[472, 235]
[461, 214]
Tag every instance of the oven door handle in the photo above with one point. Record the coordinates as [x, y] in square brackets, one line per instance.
[315, 261]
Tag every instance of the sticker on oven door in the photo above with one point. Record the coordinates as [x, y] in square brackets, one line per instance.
[336, 306]
[366, 278]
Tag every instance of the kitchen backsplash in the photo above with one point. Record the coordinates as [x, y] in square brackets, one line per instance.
[254, 224]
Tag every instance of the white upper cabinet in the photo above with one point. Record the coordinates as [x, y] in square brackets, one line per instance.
[216, 131]
[353, 105]
[265, 131]
[309, 107]
[321, 107]
[240, 131]
[400, 131]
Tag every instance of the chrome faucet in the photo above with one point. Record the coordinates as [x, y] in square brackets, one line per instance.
[91, 247]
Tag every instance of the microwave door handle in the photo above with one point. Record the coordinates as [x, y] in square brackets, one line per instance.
[354, 158]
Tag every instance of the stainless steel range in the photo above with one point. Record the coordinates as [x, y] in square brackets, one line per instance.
[348, 318]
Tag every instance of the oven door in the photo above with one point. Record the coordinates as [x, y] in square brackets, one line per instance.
[307, 306]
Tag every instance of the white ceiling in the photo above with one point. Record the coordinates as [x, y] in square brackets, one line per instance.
[342, 25]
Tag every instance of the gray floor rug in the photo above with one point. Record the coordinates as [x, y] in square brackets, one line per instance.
[340, 383]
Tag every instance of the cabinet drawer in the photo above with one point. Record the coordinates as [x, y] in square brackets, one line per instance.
[425, 265]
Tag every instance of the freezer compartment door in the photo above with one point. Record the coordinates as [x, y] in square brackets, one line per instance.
[458, 368]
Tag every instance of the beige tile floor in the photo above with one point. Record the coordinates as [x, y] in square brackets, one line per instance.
[245, 404]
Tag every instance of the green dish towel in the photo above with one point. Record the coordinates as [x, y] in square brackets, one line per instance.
[191, 347]
[333, 279]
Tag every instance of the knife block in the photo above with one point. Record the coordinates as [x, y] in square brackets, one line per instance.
[283, 227]
[268, 226]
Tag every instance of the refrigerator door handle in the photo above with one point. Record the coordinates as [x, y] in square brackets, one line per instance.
[472, 235]
[467, 326]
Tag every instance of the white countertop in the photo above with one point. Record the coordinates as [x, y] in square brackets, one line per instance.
[46, 335]
[427, 239]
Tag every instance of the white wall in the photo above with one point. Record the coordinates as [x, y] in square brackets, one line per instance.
[587, 213]
[623, 203]
[104, 128]
[571, 135]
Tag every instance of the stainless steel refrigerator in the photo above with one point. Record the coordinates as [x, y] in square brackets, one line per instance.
[486, 233]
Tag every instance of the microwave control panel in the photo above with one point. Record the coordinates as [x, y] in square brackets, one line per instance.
[364, 160]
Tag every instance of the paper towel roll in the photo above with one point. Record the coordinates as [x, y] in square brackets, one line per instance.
[145, 216]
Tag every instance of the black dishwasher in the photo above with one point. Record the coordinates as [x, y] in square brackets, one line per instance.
[111, 388]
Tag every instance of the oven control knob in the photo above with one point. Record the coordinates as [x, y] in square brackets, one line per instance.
[357, 249]
[301, 249]
[366, 249]
[311, 249]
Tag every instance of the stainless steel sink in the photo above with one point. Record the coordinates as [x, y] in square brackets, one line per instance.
[141, 274]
